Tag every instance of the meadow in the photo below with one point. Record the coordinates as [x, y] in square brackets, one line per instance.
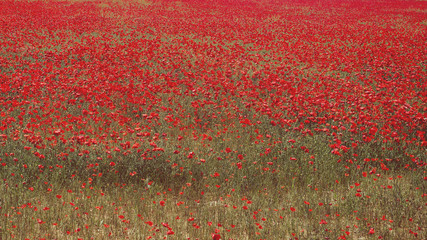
[225, 119]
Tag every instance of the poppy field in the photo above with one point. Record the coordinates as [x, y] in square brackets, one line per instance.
[225, 119]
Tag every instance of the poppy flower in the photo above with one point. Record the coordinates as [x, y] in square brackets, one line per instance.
[216, 236]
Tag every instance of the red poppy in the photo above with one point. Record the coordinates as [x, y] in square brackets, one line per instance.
[216, 236]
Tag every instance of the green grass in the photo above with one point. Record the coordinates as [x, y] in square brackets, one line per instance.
[271, 194]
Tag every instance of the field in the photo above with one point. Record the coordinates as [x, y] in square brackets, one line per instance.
[219, 119]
